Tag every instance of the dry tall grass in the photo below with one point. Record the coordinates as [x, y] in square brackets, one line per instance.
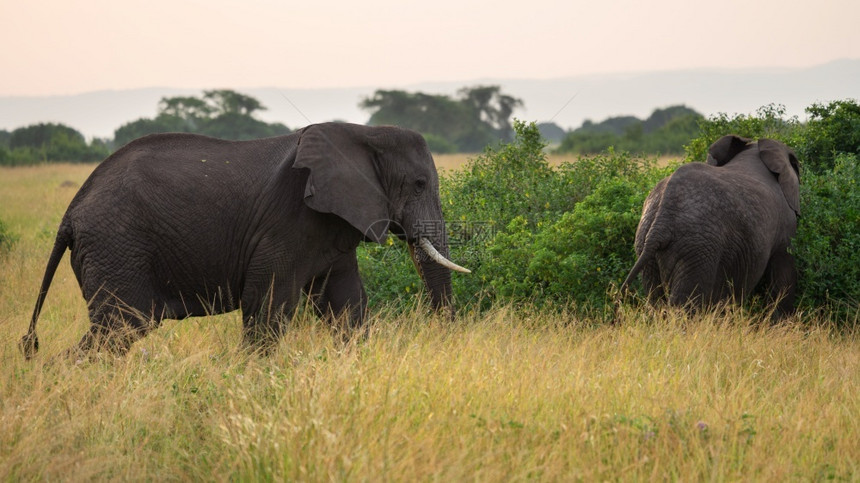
[512, 394]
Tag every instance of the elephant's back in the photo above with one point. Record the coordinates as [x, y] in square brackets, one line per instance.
[703, 190]
[718, 194]
[183, 168]
[175, 155]
[699, 206]
[710, 216]
[175, 187]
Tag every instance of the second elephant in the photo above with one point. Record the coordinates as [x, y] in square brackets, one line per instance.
[713, 231]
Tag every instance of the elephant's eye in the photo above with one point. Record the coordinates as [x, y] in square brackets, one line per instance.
[420, 184]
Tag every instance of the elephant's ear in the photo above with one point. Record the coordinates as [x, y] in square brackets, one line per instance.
[726, 148]
[782, 162]
[343, 177]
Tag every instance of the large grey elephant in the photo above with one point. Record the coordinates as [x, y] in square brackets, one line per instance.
[712, 231]
[179, 225]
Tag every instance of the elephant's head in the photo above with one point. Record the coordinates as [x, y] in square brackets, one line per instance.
[380, 179]
[779, 159]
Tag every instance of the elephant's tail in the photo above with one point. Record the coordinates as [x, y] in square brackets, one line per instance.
[649, 251]
[656, 240]
[30, 342]
[637, 267]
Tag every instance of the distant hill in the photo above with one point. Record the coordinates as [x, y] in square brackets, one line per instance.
[551, 131]
[612, 125]
[567, 102]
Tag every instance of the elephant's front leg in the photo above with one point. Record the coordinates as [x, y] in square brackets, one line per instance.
[267, 304]
[340, 293]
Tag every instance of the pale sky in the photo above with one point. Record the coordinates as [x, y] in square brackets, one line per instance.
[57, 47]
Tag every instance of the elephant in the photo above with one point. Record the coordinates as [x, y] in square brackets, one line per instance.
[177, 225]
[711, 232]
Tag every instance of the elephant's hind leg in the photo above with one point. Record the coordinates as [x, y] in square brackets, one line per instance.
[655, 290]
[114, 327]
[781, 278]
[692, 286]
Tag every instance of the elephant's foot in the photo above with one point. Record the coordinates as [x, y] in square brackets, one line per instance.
[261, 336]
[102, 341]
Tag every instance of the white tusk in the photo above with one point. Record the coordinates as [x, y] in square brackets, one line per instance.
[437, 257]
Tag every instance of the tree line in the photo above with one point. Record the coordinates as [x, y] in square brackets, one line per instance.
[476, 117]
[218, 113]
[221, 113]
[469, 121]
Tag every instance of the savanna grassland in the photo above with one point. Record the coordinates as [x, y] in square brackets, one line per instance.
[510, 393]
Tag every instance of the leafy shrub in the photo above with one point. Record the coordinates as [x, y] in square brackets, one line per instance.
[827, 245]
[554, 235]
[590, 248]
[504, 182]
[832, 129]
[528, 231]
[507, 182]
[577, 256]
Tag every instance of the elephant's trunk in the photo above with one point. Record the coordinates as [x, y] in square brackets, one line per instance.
[435, 269]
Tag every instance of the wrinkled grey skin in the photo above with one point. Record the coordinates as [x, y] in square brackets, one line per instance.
[711, 232]
[179, 225]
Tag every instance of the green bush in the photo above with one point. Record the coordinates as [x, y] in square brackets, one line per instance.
[545, 235]
[577, 256]
[529, 232]
[507, 182]
[827, 245]
[590, 248]
[832, 129]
